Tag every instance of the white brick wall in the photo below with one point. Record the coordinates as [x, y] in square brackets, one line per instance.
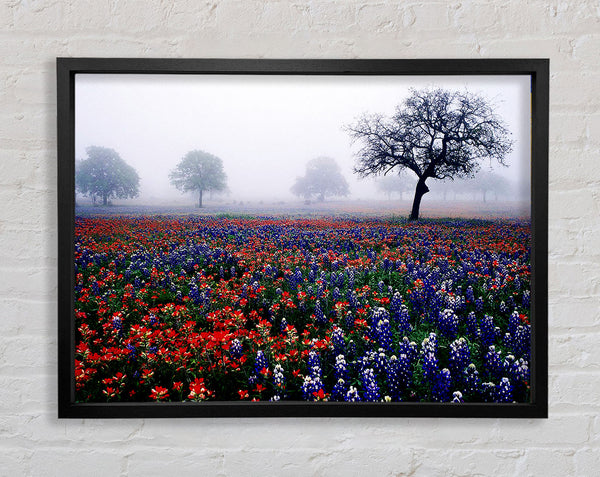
[33, 33]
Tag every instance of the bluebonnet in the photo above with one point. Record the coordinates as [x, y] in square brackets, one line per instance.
[470, 296]
[430, 360]
[283, 326]
[503, 391]
[370, 387]
[341, 377]
[522, 341]
[513, 322]
[132, 351]
[487, 331]
[349, 320]
[448, 323]
[526, 299]
[278, 382]
[441, 387]
[472, 382]
[319, 316]
[457, 397]
[407, 347]
[398, 375]
[488, 391]
[471, 322]
[236, 349]
[352, 395]
[314, 360]
[337, 340]
[336, 295]
[313, 382]
[260, 363]
[460, 356]
[117, 323]
[381, 331]
[492, 363]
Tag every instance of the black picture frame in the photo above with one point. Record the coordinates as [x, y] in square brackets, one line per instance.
[538, 69]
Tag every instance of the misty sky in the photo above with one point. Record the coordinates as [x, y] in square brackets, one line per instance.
[264, 128]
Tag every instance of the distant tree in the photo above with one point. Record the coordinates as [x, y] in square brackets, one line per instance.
[487, 181]
[394, 184]
[199, 171]
[323, 178]
[436, 134]
[103, 174]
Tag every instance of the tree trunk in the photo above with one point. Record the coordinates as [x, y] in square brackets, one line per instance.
[104, 198]
[420, 191]
[200, 199]
[484, 198]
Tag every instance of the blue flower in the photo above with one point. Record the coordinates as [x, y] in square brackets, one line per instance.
[370, 386]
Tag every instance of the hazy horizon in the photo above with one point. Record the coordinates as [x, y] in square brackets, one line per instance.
[266, 128]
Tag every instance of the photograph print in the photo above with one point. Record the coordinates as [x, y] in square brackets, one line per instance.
[257, 238]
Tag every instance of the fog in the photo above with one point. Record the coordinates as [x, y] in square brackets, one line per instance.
[266, 128]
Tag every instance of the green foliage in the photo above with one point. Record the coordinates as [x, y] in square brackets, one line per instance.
[322, 178]
[105, 175]
[199, 171]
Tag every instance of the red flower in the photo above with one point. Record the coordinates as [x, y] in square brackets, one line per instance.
[159, 393]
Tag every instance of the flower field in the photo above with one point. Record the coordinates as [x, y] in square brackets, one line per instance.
[331, 309]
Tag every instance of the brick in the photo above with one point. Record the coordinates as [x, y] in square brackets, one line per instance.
[30, 283]
[76, 462]
[561, 351]
[574, 430]
[573, 312]
[585, 49]
[440, 462]
[575, 388]
[431, 16]
[587, 461]
[164, 460]
[592, 132]
[380, 17]
[15, 462]
[585, 96]
[36, 16]
[548, 462]
[41, 319]
[568, 127]
[572, 204]
[572, 278]
[20, 354]
[558, 48]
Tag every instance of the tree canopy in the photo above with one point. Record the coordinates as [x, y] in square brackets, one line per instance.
[199, 171]
[103, 174]
[435, 133]
[322, 178]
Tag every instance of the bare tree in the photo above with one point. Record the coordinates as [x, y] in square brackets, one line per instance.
[435, 133]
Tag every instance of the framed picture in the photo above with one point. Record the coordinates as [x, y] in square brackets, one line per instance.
[325, 238]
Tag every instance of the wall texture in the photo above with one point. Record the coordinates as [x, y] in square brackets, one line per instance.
[33, 33]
